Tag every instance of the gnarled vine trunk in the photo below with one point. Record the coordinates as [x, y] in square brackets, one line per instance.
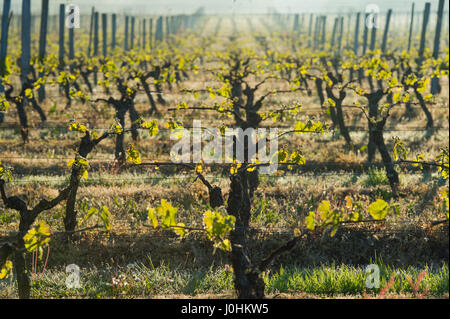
[248, 284]
[374, 99]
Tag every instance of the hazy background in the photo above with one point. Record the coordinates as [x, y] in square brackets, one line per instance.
[138, 7]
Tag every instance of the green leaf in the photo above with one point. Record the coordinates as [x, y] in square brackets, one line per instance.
[75, 126]
[217, 225]
[6, 270]
[52, 109]
[167, 213]
[152, 127]
[180, 229]
[324, 210]
[37, 237]
[133, 155]
[105, 215]
[224, 245]
[297, 158]
[92, 211]
[152, 217]
[29, 93]
[310, 220]
[331, 102]
[282, 156]
[378, 209]
[334, 229]
[400, 152]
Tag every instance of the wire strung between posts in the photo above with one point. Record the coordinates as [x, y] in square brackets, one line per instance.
[143, 179]
[255, 231]
[352, 128]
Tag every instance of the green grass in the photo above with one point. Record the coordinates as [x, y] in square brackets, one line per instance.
[375, 177]
[348, 280]
[146, 281]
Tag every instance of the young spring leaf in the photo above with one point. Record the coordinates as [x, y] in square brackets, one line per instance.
[152, 127]
[168, 214]
[37, 236]
[92, 211]
[310, 220]
[297, 158]
[400, 152]
[199, 168]
[6, 270]
[324, 210]
[348, 202]
[75, 126]
[331, 102]
[180, 229]
[216, 225]
[133, 155]
[5, 172]
[105, 217]
[29, 93]
[234, 168]
[419, 158]
[116, 127]
[378, 209]
[151, 213]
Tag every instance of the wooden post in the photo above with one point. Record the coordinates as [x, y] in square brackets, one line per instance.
[341, 33]
[302, 18]
[42, 44]
[349, 22]
[374, 32]
[167, 29]
[113, 31]
[55, 22]
[71, 40]
[435, 87]
[150, 22]
[411, 27]
[324, 25]
[91, 27]
[365, 34]
[32, 24]
[96, 35]
[25, 69]
[426, 15]
[127, 20]
[437, 36]
[138, 34]
[310, 29]
[316, 27]
[386, 30]
[105, 33]
[43, 30]
[62, 15]
[159, 31]
[132, 33]
[355, 42]
[144, 37]
[18, 22]
[333, 34]
[173, 26]
[4, 42]
[295, 27]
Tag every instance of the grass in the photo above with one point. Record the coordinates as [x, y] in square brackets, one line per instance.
[375, 176]
[139, 280]
[350, 280]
